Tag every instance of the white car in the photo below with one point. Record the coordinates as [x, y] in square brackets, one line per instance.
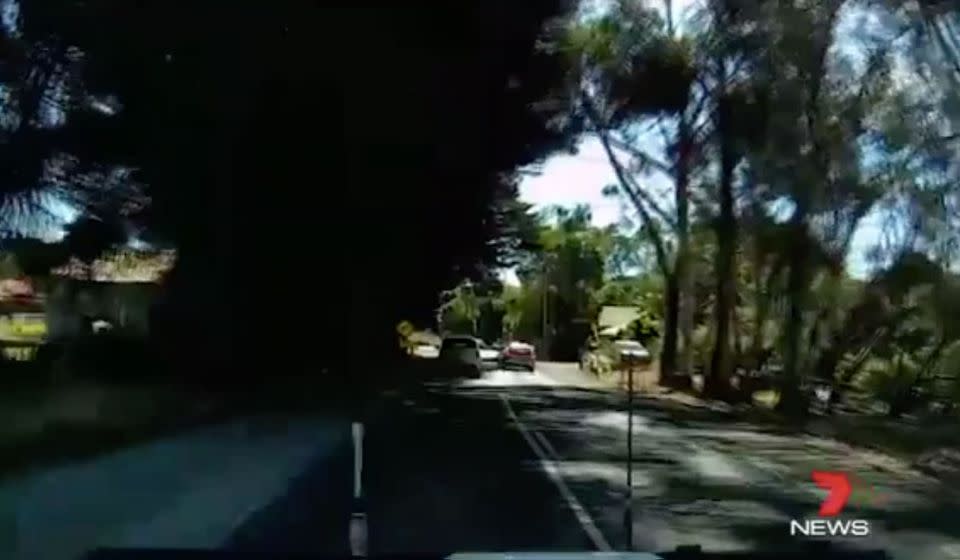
[631, 351]
[489, 356]
[462, 355]
[426, 351]
[519, 354]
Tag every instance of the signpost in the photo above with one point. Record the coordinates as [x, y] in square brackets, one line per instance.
[628, 515]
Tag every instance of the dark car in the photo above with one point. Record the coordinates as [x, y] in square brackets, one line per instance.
[461, 355]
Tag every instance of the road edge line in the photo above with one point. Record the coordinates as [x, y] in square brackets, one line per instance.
[550, 467]
[546, 445]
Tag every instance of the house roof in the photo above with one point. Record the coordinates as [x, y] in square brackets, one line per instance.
[613, 316]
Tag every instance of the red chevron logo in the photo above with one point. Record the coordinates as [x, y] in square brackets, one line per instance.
[838, 484]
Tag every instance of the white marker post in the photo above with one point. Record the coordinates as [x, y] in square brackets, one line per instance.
[628, 516]
[358, 519]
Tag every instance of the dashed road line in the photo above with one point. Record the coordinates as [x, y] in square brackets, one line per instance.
[549, 465]
[358, 518]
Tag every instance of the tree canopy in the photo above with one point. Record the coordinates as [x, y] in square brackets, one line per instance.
[355, 160]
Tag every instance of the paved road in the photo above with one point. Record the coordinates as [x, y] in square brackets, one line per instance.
[513, 461]
[186, 491]
[521, 461]
[699, 478]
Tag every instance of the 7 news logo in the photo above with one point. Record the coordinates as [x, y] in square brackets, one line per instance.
[839, 489]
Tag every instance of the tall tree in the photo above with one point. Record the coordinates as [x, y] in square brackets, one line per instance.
[823, 170]
[252, 132]
[631, 69]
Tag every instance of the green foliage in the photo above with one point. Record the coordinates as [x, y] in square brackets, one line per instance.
[569, 273]
[628, 55]
[647, 327]
[821, 138]
[460, 314]
[891, 380]
[645, 290]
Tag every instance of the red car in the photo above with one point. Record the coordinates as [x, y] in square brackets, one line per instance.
[519, 354]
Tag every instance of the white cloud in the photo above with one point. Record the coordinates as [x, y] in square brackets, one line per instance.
[569, 180]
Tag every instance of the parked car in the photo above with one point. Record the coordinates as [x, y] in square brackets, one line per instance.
[489, 356]
[425, 351]
[617, 355]
[462, 355]
[519, 354]
[631, 351]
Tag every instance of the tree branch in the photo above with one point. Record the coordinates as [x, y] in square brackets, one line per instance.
[638, 196]
[641, 155]
[653, 231]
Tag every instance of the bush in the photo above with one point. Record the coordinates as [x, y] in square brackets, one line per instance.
[646, 329]
[111, 357]
[892, 381]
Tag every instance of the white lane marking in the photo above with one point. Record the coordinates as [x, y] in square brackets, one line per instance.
[358, 535]
[357, 459]
[550, 467]
[358, 520]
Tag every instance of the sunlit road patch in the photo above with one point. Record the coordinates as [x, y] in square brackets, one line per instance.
[507, 378]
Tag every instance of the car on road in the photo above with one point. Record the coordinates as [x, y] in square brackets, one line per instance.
[489, 355]
[519, 354]
[462, 355]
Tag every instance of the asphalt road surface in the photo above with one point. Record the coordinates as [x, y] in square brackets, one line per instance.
[513, 461]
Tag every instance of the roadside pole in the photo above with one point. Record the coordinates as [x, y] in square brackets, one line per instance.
[357, 534]
[546, 329]
[628, 516]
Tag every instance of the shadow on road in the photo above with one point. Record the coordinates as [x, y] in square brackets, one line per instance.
[446, 469]
[309, 518]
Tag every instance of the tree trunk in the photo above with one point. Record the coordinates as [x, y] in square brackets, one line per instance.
[721, 362]
[682, 269]
[830, 358]
[847, 375]
[668, 352]
[736, 334]
[791, 401]
[761, 308]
